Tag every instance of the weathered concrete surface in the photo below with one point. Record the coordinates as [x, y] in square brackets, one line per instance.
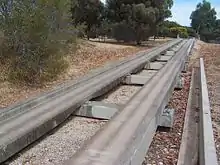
[147, 73]
[141, 78]
[170, 53]
[188, 154]
[99, 110]
[185, 67]
[122, 140]
[175, 49]
[155, 65]
[137, 79]
[167, 118]
[164, 58]
[207, 150]
[179, 83]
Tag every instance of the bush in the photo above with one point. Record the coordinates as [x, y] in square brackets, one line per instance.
[122, 32]
[35, 35]
[191, 32]
[181, 31]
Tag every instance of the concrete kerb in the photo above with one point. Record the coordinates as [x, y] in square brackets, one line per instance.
[207, 150]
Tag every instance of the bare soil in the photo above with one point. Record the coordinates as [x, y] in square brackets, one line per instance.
[88, 56]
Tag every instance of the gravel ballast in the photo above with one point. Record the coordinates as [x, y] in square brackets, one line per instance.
[165, 146]
[122, 94]
[60, 145]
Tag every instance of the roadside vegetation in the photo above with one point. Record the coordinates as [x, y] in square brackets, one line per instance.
[35, 36]
[204, 21]
[47, 42]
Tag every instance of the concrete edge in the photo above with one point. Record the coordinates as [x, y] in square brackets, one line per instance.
[184, 139]
[207, 150]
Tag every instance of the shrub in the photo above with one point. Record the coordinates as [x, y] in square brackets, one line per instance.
[181, 31]
[35, 35]
[122, 32]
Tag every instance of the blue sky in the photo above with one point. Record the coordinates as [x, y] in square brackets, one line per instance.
[182, 9]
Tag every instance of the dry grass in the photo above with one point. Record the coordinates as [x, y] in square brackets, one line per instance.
[88, 56]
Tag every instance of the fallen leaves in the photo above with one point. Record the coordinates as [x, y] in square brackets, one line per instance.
[165, 146]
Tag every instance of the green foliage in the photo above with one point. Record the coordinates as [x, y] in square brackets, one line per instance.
[90, 13]
[191, 32]
[163, 29]
[35, 34]
[105, 29]
[173, 29]
[139, 18]
[203, 20]
[123, 32]
[181, 31]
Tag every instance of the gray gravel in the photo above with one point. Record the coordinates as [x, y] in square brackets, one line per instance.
[122, 94]
[61, 145]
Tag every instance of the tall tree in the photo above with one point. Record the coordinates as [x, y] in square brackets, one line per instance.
[203, 19]
[88, 12]
[140, 17]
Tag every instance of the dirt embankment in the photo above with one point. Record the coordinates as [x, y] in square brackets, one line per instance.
[88, 56]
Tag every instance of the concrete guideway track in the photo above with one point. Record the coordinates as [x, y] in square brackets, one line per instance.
[25, 123]
[127, 136]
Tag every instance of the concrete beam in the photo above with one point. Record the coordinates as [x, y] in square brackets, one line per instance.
[126, 137]
[175, 49]
[179, 83]
[164, 58]
[207, 150]
[185, 66]
[141, 78]
[136, 80]
[188, 153]
[155, 65]
[167, 118]
[99, 110]
[170, 53]
[147, 72]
